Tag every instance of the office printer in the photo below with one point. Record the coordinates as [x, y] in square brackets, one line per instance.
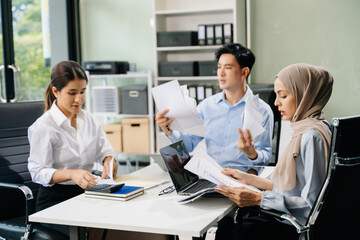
[106, 67]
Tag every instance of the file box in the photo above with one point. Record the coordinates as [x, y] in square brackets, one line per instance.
[178, 38]
[172, 69]
[208, 68]
[114, 135]
[136, 135]
[134, 99]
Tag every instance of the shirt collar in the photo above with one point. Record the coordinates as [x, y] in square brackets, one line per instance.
[59, 117]
[221, 97]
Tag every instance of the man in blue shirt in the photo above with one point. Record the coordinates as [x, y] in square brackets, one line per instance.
[223, 113]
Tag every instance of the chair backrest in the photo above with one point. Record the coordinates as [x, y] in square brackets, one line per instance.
[336, 210]
[15, 118]
[266, 93]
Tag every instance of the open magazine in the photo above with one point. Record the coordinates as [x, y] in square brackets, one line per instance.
[206, 167]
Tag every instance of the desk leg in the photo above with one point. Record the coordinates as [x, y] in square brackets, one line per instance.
[73, 233]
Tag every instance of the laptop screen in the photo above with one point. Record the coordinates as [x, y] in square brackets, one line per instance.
[175, 157]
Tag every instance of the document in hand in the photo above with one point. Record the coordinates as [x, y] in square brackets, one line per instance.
[181, 107]
[206, 167]
[124, 194]
[253, 117]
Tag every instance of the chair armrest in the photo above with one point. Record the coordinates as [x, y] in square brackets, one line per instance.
[276, 214]
[25, 189]
[29, 197]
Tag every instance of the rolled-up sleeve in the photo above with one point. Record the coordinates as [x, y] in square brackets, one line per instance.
[40, 160]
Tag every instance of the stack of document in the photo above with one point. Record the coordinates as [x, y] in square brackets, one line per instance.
[124, 194]
[181, 107]
[253, 117]
[207, 168]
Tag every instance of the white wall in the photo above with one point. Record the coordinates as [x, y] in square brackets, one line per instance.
[321, 32]
[117, 30]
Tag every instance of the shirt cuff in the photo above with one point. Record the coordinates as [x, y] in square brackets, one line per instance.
[259, 159]
[175, 136]
[271, 200]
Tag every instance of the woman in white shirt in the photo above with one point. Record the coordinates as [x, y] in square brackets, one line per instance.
[66, 141]
[302, 91]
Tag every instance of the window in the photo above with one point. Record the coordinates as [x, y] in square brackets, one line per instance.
[28, 37]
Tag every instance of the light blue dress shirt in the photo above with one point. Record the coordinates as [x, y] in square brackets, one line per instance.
[310, 174]
[222, 121]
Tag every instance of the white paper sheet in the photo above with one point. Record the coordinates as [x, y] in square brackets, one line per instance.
[253, 117]
[206, 167]
[110, 180]
[181, 107]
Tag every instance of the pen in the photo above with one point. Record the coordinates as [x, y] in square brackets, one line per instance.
[158, 184]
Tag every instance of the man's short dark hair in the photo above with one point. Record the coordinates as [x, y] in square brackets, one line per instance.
[243, 55]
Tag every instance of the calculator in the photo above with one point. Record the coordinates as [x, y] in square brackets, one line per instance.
[105, 188]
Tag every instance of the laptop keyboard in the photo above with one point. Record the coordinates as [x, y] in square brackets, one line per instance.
[200, 184]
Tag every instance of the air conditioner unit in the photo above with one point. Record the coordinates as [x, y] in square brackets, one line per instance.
[106, 99]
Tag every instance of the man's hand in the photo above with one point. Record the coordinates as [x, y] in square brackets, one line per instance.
[164, 122]
[246, 144]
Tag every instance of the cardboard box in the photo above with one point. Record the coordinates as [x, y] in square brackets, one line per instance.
[136, 135]
[114, 135]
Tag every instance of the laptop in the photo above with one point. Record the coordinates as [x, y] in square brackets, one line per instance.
[175, 157]
[157, 158]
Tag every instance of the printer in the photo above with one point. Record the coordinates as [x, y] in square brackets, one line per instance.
[106, 67]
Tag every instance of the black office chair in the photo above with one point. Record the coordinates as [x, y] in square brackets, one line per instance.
[336, 210]
[266, 93]
[17, 191]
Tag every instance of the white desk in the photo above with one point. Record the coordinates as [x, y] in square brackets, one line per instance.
[148, 213]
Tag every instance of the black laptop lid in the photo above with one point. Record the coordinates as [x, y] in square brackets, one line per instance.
[175, 157]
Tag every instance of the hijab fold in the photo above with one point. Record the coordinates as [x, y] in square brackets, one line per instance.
[311, 87]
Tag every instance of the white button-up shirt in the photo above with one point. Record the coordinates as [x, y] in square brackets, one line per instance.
[56, 145]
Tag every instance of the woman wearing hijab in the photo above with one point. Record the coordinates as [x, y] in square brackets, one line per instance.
[302, 91]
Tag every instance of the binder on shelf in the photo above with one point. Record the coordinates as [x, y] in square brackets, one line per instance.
[210, 33]
[219, 34]
[209, 91]
[192, 92]
[202, 34]
[228, 33]
[200, 93]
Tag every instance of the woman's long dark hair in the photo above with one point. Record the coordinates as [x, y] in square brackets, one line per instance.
[62, 73]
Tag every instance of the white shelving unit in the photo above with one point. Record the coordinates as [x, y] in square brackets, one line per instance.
[136, 78]
[186, 15]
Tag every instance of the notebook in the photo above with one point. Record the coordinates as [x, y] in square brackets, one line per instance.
[175, 157]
